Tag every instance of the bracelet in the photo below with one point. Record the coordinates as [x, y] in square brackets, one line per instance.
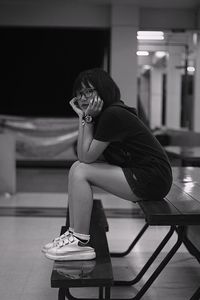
[84, 122]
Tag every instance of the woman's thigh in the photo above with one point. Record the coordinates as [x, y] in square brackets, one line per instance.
[107, 177]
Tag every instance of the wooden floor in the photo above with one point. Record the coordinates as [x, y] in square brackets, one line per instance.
[25, 272]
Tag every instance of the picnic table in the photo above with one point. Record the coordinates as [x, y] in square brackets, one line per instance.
[188, 155]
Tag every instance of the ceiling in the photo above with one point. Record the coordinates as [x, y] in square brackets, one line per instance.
[140, 3]
[152, 3]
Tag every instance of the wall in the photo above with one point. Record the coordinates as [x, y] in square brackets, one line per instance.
[58, 13]
[77, 13]
[160, 19]
[86, 14]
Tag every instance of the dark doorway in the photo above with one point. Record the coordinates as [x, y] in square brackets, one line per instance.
[187, 101]
[39, 65]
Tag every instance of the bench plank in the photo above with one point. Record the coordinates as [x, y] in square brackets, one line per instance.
[191, 188]
[182, 199]
[178, 208]
[159, 212]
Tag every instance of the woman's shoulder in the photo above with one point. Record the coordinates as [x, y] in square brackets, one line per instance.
[120, 108]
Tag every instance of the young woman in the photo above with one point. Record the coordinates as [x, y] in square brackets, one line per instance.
[134, 165]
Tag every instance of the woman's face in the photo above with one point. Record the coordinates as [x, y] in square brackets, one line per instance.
[85, 95]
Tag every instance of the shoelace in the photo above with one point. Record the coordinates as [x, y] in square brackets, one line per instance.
[67, 240]
[60, 238]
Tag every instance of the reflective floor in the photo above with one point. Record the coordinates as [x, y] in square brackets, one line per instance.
[31, 218]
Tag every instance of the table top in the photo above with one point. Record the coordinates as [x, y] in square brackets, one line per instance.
[183, 151]
[182, 203]
[186, 175]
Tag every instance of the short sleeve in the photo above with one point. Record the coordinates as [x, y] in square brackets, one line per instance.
[109, 128]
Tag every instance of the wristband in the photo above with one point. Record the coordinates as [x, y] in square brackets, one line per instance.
[88, 119]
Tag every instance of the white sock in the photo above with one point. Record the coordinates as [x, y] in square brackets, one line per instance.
[71, 229]
[81, 236]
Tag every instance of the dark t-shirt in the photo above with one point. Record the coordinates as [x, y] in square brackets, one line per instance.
[132, 145]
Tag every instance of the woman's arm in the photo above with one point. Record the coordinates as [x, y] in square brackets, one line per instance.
[91, 149]
[88, 129]
[80, 138]
[79, 112]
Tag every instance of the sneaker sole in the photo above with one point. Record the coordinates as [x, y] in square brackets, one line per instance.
[69, 257]
[45, 250]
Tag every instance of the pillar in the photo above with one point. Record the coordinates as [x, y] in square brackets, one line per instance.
[156, 97]
[124, 26]
[144, 94]
[173, 88]
[196, 107]
[7, 163]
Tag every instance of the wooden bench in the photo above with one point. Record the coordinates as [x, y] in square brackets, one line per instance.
[179, 210]
[93, 273]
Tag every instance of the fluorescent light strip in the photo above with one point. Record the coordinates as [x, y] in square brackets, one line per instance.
[142, 53]
[153, 37]
[151, 33]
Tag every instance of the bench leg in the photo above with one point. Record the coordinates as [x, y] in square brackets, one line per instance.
[65, 292]
[196, 295]
[107, 293]
[162, 265]
[149, 262]
[100, 292]
[132, 245]
[61, 294]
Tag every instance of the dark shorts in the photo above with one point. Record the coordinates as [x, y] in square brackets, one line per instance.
[151, 181]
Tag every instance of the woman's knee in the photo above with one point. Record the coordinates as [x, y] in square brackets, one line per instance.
[73, 167]
[78, 170]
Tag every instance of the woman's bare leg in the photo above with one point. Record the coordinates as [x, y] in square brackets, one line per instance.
[82, 177]
[71, 171]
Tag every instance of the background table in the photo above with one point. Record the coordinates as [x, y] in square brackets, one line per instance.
[188, 156]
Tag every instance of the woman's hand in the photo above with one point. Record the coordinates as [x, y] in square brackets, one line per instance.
[75, 107]
[94, 107]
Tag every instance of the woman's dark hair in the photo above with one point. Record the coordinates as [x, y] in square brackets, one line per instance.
[106, 88]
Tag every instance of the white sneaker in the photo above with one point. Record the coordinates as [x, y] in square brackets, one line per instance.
[71, 248]
[55, 241]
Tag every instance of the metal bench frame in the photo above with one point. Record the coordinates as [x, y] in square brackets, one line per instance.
[182, 238]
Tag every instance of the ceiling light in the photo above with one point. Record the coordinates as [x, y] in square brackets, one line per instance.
[150, 35]
[146, 67]
[153, 37]
[142, 53]
[191, 69]
[160, 54]
[195, 38]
